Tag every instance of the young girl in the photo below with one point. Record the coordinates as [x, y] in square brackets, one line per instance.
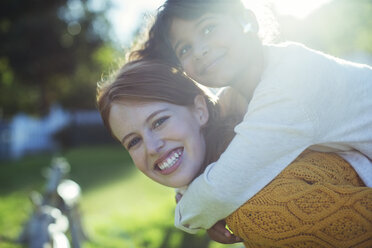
[299, 99]
[172, 128]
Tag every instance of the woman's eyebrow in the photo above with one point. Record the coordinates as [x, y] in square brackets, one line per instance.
[147, 120]
[155, 113]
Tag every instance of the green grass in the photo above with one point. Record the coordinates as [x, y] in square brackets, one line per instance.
[120, 206]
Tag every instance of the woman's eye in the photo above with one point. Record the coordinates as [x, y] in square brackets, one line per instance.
[158, 122]
[133, 142]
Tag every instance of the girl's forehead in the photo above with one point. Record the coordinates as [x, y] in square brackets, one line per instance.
[194, 20]
[178, 24]
[181, 28]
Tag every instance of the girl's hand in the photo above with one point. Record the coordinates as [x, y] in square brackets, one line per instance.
[178, 197]
[219, 233]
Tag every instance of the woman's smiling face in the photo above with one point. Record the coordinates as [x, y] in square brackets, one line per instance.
[164, 140]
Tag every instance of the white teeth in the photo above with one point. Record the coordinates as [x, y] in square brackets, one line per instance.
[170, 161]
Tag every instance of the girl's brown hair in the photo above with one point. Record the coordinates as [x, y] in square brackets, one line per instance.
[152, 80]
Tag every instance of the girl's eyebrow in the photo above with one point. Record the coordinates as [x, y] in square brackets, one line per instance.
[177, 45]
[147, 120]
[202, 20]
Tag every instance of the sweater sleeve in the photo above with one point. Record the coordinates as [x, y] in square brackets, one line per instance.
[275, 130]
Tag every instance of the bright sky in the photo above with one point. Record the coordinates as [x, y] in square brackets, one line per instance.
[126, 14]
[298, 8]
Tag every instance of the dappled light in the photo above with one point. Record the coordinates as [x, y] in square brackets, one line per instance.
[54, 55]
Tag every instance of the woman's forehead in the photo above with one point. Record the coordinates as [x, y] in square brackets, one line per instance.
[137, 103]
[142, 108]
[127, 116]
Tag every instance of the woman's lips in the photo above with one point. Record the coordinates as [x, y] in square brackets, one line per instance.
[171, 162]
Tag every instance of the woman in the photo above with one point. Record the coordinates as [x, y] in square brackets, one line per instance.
[172, 128]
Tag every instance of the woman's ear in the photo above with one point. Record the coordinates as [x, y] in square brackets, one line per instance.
[201, 110]
[248, 21]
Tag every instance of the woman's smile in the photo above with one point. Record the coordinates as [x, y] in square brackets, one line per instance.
[168, 164]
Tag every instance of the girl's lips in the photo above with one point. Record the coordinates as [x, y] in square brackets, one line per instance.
[209, 66]
[170, 162]
[213, 64]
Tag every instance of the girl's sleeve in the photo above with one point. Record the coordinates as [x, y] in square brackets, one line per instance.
[275, 130]
[317, 201]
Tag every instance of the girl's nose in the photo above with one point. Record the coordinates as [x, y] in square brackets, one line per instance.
[201, 51]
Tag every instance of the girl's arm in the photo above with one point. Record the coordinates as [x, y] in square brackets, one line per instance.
[250, 161]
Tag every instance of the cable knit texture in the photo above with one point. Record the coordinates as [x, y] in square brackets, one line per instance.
[317, 201]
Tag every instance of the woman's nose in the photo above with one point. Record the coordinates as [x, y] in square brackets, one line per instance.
[154, 144]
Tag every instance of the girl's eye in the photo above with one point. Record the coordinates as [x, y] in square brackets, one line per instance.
[158, 122]
[184, 50]
[133, 142]
[209, 29]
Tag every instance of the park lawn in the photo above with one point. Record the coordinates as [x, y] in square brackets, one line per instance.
[120, 206]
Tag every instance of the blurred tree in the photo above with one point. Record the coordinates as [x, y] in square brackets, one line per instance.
[50, 51]
[341, 27]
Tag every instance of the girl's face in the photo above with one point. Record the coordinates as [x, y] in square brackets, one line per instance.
[212, 49]
[164, 140]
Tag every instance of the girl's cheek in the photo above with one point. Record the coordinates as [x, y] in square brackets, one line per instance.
[187, 65]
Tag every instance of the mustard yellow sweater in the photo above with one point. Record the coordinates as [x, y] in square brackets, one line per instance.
[317, 201]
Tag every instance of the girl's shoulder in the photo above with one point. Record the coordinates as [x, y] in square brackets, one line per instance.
[290, 52]
[301, 55]
[289, 62]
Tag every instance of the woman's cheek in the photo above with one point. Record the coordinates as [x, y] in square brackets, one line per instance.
[137, 160]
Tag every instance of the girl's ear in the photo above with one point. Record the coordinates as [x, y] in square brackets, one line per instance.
[248, 21]
[201, 110]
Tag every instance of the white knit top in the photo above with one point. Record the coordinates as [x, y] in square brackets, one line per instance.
[306, 99]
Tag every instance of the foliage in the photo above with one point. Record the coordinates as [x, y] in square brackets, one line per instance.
[48, 53]
[57, 50]
[341, 28]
